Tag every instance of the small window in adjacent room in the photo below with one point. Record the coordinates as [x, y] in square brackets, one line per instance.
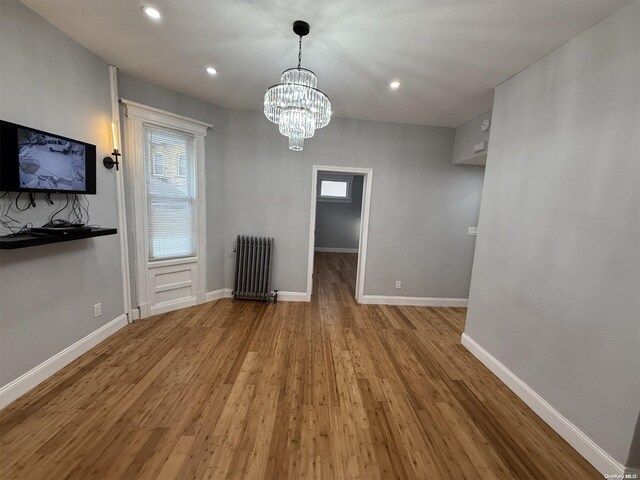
[335, 188]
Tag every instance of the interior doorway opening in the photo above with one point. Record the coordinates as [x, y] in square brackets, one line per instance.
[338, 230]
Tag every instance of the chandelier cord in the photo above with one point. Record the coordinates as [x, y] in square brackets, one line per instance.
[299, 51]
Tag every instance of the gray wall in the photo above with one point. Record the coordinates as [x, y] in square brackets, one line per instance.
[421, 203]
[255, 185]
[146, 93]
[633, 460]
[554, 294]
[338, 223]
[47, 293]
[467, 135]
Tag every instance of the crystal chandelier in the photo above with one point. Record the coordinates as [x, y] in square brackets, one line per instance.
[296, 105]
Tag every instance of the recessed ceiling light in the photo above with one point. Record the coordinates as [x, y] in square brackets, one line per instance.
[211, 70]
[151, 12]
[394, 85]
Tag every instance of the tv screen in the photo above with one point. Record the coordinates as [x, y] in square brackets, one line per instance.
[35, 161]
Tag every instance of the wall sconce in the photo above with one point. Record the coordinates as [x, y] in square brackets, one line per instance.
[109, 162]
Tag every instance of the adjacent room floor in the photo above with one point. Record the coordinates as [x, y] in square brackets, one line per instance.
[327, 389]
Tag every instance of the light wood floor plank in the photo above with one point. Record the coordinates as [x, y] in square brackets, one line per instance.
[320, 390]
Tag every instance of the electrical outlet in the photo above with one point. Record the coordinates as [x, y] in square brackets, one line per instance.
[398, 284]
[97, 310]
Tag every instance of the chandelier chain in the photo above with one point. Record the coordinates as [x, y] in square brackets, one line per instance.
[299, 51]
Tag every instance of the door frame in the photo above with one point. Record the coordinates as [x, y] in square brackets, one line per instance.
[138, 115]
[367, 173]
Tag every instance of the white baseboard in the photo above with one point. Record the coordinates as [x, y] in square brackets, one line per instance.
[217, 294]
[414, 301]
[286, 296]
[586, 447]
[294, 297]
[282, 296]
[21, 385]
[171, 305]
[335, 250]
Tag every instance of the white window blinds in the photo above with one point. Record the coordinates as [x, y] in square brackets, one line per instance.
[170, 186]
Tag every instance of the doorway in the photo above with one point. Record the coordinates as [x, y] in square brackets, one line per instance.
[339, 226]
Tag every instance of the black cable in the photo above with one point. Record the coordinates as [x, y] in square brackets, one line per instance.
[6, 213]
[18, 207]
[26, 228]
[53, 216]
[86, 209]
[76, 210]
[78, 213]
[9, 222]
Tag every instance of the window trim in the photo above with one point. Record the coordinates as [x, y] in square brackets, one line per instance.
[334, 178]
[137, 115]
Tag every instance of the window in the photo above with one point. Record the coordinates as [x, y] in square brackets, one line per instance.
[182, 165]
[171, 197]
[332, 188]
[158, 164]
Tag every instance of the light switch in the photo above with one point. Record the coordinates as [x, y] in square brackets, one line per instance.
[479, 147]
[472, 231]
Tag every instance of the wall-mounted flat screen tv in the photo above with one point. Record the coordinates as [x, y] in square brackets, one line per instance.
[35, 161]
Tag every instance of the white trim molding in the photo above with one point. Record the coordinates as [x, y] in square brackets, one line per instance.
[293, 297]
[282, 296]
[336, 250]
[137, 117]
[586, 447]
[163, 118]
[286, 296]
[120, 193]
[414, 301]
[21, 385]
[217, 294]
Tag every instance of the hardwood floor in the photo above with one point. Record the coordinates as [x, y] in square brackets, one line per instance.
[327, 389]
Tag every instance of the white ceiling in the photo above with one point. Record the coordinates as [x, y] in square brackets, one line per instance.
[449, 55]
